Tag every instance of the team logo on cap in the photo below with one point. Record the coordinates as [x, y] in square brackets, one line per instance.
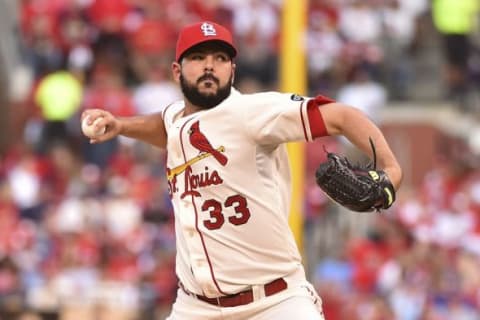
[208, 29]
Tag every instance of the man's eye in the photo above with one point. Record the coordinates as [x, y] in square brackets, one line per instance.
[222, 57]
[196, 57]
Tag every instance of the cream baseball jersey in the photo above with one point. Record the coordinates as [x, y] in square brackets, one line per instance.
[229, 181]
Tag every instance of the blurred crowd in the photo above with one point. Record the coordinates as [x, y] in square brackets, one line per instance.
[419, 261]
[86, 231]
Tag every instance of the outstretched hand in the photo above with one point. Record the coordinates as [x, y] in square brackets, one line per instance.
[105, 119]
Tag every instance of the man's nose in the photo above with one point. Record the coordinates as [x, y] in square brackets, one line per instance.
[209, 62]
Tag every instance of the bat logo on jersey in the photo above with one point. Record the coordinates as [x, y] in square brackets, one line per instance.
[199, 141]
[206, 178]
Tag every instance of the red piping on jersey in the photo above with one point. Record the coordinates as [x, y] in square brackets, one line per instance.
[317, 125]
[196, 218]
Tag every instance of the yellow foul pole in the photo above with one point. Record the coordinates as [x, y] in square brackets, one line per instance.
[293, 79]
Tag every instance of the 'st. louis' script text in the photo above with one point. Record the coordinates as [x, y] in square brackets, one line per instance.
[193, 182]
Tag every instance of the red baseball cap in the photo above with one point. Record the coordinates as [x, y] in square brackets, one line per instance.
[201, 32]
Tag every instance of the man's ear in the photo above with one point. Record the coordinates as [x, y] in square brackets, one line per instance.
[234, 66]
[176, 71]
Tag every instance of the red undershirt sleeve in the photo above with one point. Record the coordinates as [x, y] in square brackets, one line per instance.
[315, 119]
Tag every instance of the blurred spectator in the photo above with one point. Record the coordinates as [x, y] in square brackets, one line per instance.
[11, 291]
[59, 96]
[109, 16]
[74, 26]
[25, 179]
[256, 25]
[358, 12]
[38, 22]
[151, 38]
[155, 92]
[456, 22]
[361, 90]
[408, 301]
[324, 44]
[362, 46]
[210, 10]
[122, 214]
[399, 18]
[108, 90]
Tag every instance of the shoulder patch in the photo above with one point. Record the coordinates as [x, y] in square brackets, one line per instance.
[296, 97]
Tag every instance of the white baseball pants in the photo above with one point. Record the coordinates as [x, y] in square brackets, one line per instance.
[298, 301]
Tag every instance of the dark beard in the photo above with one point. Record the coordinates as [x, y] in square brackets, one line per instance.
[205, 101]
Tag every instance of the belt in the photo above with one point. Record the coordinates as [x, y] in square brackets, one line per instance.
[241, 298]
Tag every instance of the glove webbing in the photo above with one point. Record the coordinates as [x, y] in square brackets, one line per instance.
[355, 186]
[343, 182]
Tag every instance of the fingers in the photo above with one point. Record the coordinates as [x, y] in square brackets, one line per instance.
[93, 114]
[109, 134]
[100, 119]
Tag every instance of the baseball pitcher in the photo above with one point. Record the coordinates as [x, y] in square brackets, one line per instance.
[229, 181]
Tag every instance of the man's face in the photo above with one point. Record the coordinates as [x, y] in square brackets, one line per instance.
[205, 75]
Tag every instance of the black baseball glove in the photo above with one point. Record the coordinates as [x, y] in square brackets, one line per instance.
[358, 188]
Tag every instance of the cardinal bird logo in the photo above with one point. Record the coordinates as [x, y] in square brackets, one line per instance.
[199, 141]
